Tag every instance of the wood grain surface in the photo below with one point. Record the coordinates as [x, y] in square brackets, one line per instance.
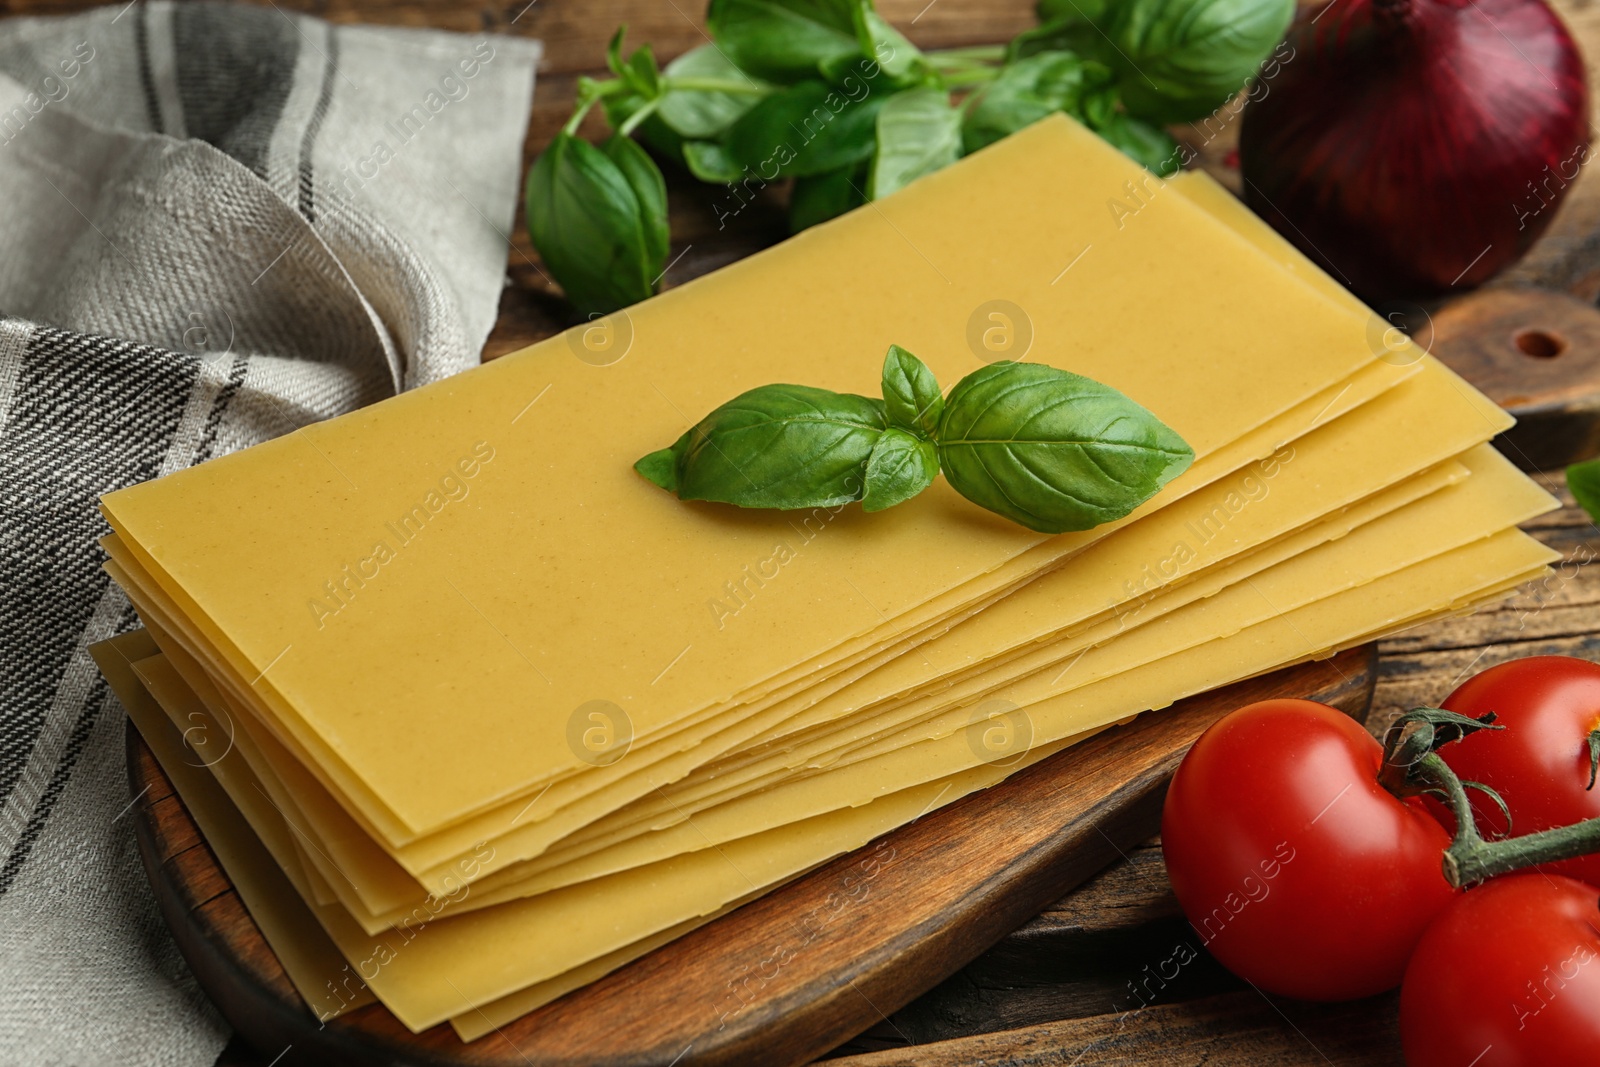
[1055, 989]
[785, 978]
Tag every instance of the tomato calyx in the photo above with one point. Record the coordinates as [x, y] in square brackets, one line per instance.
[1418, 734]
[1412, 766]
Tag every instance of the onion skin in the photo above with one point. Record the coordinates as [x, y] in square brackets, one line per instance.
[1417, 147]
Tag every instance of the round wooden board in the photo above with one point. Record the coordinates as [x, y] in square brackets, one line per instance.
[939, 892]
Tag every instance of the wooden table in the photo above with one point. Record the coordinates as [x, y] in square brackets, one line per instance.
[1059, 990]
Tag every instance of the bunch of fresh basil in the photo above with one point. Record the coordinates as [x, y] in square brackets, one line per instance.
[829, 95]
[1050, 450]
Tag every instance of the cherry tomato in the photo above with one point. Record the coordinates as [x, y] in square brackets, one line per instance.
[1539, 762]
[1508, 976]
[1296, 868]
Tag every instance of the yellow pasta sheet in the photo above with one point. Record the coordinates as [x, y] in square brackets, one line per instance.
[269, 886]
[434, 861]
[319, 973]
[353, 869]
[1384, 440]
[477, 558]
[766, 762]
[1495, 497]
[446, 966]
[347, 844]
[579, 926]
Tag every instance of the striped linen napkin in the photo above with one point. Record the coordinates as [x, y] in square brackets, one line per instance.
[218, 224]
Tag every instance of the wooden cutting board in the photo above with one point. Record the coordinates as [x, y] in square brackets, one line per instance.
[783, 979]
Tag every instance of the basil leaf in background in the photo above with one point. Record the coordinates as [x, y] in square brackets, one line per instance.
[1097, 108]
[820, 197]
[642, 73]
[777, 446]
[1148, 145]
[1068, 25]
[589, 226]
[1583, 480]
[805, 129]
[785, 41]
[638, 71]
[900, 466]
[911, 396]
[644, 178]
[1179, 60]
[1026, 90]
[918, 133]
[614, 51]
[700, 114]
[1052, 450]
[710, 162]
[886, 45]
[1056, 11]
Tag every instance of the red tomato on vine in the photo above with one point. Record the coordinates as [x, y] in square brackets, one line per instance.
[1298, 870]
[1540, 760]
[1509, 976]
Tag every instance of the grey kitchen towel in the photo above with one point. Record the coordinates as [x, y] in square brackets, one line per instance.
[217, 224]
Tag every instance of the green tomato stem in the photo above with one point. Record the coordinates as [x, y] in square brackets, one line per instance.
[1412, 766]
[1470, 859]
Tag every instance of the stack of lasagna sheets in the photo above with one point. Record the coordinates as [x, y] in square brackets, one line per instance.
[506, 716]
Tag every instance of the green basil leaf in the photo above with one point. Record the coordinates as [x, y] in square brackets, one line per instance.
[1052, 450]
[900, 467]
[1097, 108]
[1027, 90]
[785, 41]
[614, 51]
[698, 114]
[918, 133]
[586, 220]
[820, 197]
[642, 74]
[911, 396]
[1179, 60]
[650, 189]
[710, 162]
[1150, 146]
[777, 446]
[660, 467]
[805, 129]
[886, 45]
[1583, 480]
[1068, 25]
[638, 71]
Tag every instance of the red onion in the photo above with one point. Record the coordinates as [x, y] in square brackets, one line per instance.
[1414, 147]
